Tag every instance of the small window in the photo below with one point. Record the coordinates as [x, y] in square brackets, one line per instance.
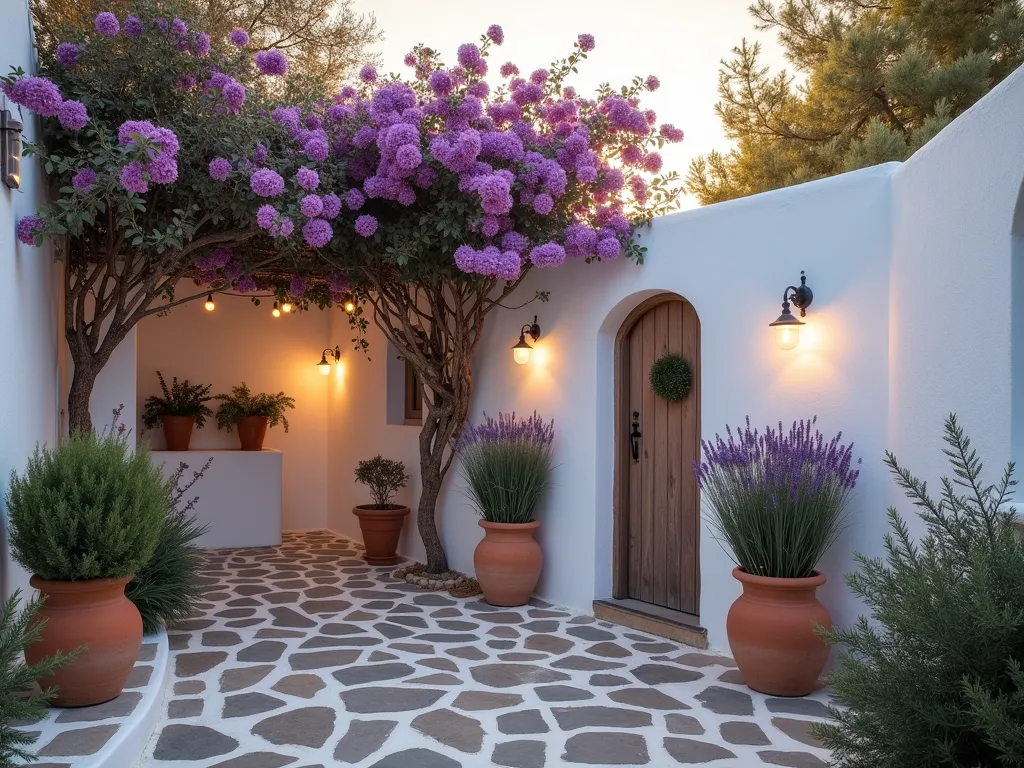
[413, 396]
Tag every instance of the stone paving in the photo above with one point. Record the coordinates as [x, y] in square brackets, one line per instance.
[305, 656]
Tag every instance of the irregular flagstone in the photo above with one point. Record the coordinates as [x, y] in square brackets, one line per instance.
[446, 637]
[499, 617]
[458, 626]
[361, 616]
[562, 693]
[573, 718]
[606, 749]
[544, 625]
[732, 676]
[420, 648]
[467, 652]
[511, 675]
[609, 650]
[501, 645]
[186, 687]
[655, 647]
[370, 700]
[799, 730]
[372, 673]
[683, 725]
[325, 606]
[243, 677]
[80, 741]
[474, 701]
[381, 656]
[451, 729]
[661, 674]
[335, 642]
[742, 732]
[725, 701]
[337, 629]
[191, 664]
[257, 760]
[122, 706]
[445, 665]
[417, 622]
[549, 644]
[322, 659]
[392, 631]
[265, 650]
[286, 617]
[519, 754]
[305, 727]
[607, 681]
[791, 759]
[179, 709]
[646, 698]
[702, 660]
[586, 664]
[521, 656]
[504, 632]
[220, 639]
[363, 738]
[251, 703]
[441, 678]
[192, 742]
[420, 758]
[688, 751]
[277, 633]
[590, 633]
[524, 722]
[807, 707]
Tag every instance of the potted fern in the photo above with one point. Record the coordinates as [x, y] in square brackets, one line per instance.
[252, 414]
[381, 522]
[182, 407]
[84, 518]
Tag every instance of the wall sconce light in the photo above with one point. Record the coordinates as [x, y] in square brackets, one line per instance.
[787, 327]
[521, 351]
[209, 306]
[286, 307]
[323, 365]
[276, 311]
[10, 149]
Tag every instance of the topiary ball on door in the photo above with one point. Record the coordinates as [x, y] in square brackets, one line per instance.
[671, 378]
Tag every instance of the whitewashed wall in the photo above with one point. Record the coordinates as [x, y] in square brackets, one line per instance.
[29, 376]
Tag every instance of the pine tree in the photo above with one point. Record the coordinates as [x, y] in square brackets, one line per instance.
[872, 81]
[933, 678]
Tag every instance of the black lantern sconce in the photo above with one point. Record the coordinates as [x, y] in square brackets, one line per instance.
[10, 149]
[787, 327]
[521, 351]
[323, 365]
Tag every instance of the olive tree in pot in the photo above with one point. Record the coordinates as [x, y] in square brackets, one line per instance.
[778, 501]
[182, 407]
[507, 466]
[381, 522]
[84, 518]
[252, 414]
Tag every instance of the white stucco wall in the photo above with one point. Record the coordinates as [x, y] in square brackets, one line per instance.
[29, 377]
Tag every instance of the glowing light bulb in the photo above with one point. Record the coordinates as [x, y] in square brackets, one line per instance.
[787, 336]
[521, 355]
[286, 307]
[209, 305]
[276, 311]
[350, 306]
[324, 366]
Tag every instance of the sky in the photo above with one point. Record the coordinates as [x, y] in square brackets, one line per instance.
[680, 41]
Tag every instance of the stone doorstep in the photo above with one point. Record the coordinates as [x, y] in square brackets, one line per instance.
[673, 625]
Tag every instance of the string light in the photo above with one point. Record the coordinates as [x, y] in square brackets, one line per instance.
[276, 311]
[286, 307]
[350, 305]
[209, 305]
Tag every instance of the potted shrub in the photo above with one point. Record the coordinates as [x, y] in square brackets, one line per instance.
[507, 466]
[84, 518]
[381, 522]
[252, 414]
[779, 502]
[182, 407]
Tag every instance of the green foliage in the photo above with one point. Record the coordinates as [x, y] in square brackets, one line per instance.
[20, 699]
[933, 676]
[241, 402]
[167, 587]
[383, 477]
[671, 377]
[871, 83]
[88, 509]
[180, 399]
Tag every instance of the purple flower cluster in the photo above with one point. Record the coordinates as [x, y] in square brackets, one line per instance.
[297, 287]
[218, 258]
[107, 24]
[134, 26]
[84, 180]
[27, 228]
[220, 168]
[317, 233]
[495, 34]
[368, 74]
[490, 261]
[239, 38]
[266, 216]
[35, 93]
[332, 206]
[307, 178]
[73, 115]
[532, 431]
[366, 225]
[311, 206]
[266, 183]
[67, 54]
[159, 164]
[272, 63]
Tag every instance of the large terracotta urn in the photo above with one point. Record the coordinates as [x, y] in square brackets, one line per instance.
[508, 562]
[95, 613]
[178, 431]
[771, 629]
[252, 431]
[381, 529]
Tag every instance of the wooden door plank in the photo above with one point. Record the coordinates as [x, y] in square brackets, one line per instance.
[649, 430]
[659, 514]
[634, 469]
[690, 446]
[675, 524]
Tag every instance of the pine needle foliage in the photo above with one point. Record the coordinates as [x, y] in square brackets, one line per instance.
[167, 587]
[933, 677]
[91, 508]
[20, 699]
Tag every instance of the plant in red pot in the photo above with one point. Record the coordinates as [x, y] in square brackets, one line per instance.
[381, 522]
[507, 466]
[778, 500]
[182, 407]
[252, 414]
[85, 517]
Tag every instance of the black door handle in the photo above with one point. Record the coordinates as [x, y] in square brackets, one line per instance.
[634, 436]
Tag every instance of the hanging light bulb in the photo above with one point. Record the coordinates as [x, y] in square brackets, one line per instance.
[350, 305]
[276, 311]
[209, 305]
[286, 307]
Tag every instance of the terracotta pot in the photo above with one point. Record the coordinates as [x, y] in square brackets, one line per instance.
[178, 431]
[382, 528]
[96, 613]
[508, 562]
[252, 430]
[771, 633]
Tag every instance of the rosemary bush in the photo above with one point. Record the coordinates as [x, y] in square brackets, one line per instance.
[507, 466]
[383, 477]
[90, 508]
[167, 587]
[778, 500]
[180, 399]
[935, 675]
[241, 402]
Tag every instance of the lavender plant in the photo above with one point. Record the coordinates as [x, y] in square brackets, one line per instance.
[507, 465]
[777, 499]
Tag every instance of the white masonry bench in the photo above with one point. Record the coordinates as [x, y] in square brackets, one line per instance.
[239, 495]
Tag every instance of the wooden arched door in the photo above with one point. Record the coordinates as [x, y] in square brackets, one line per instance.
[657, 505]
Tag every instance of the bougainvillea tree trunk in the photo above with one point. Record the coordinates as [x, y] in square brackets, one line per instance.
[437, 325]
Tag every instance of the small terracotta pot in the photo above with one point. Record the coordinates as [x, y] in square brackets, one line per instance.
[96, 613]
[508, 562]
[252, 431]
[178, 431]
[772, 636]
[381, 528]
